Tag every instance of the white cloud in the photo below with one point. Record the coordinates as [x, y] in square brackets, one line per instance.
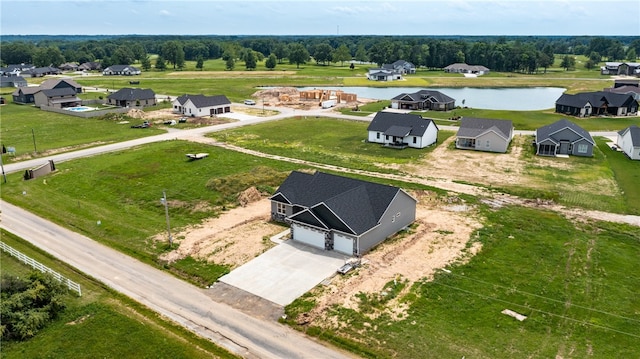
[165, 13]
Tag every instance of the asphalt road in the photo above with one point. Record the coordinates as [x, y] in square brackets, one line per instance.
[165, 294]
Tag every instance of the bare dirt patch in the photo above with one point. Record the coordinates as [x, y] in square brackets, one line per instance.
[441, 237]
[473, 166]
[232, 239]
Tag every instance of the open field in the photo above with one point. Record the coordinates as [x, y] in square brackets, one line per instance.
[323, 140]
[570, 279]
[580, 182]
[100, 322]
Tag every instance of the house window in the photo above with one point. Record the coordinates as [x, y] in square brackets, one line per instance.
[281, 208]
[415, 140]
[378, 135]
[488, 144]
[386, 137]
[582, 148]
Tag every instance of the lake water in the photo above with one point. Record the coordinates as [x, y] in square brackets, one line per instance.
[518, 99]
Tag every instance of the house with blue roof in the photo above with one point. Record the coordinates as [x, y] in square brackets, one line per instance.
[339, 213]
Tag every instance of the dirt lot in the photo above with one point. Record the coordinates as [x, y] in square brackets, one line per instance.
[443, 229]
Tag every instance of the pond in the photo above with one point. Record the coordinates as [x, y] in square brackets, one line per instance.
[517, 99]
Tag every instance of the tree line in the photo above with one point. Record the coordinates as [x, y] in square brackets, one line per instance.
[499, 53]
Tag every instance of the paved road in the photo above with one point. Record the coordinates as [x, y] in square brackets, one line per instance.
[162, 292]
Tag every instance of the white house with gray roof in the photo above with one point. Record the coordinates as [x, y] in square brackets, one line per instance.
[132, 97]
[342, 214]
[484, 134]
[400, 130]
[201, 105]
[629, 141]
[124, 70]
[563, 138]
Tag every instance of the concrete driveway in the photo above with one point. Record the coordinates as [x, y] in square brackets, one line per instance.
[285, 272]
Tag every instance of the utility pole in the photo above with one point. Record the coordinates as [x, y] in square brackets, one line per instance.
[166, 214]
[35, 149]
[4, 176]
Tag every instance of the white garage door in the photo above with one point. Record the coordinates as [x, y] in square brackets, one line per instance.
[343, 244]
[308, 236]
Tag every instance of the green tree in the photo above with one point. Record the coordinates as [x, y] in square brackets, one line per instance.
[230, 64]
[250, 61]
[568, 63]
[281, 51]
[138, 52]
[361, 54]
[544, 60]
[161, 64]
[382, 52]
[595, 57]
[589, 64]
[341, 54]
[322, 53]
[298, 54]
[27, 305]
[271, 62]
[200, 63]
[145, 63]
[631, 54]
[16, 52]
[123, 55]
[173, 52]
[48, 56]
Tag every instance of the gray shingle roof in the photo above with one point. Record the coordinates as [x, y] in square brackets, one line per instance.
[62, 91]
[132, 94]
[358, 204]
[472, 127]
[596, 99]
[635, 134]
[425, 94]
[120, 68]
[204, 101]
[383, 121]
[548, 131]
[52, 83]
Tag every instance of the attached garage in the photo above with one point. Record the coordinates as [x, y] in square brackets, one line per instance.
[308, 235]
[342, 244]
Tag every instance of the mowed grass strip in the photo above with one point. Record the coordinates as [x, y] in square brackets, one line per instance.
[115, 198]
[573, 280]
[627, 175]
[101, 323]
[323, 140]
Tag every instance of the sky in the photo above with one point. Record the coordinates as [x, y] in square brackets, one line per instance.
[316, 17]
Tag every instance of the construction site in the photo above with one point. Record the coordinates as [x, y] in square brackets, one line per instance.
[308, 99]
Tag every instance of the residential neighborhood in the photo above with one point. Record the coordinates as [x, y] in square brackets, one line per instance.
[322, 196]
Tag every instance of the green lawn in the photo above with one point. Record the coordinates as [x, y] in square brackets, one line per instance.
[626, 173]
[30, 129]
[323, 140]
[101, 323]
[574, 282]
[122, 191]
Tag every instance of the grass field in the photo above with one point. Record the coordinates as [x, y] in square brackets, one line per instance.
[101, 323]
[627, 175]
[30, 130]
[323, 140]
[572, 280]
[122, 190]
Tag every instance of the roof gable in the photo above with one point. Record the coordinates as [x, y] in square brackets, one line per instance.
[473, 127]
[548, 131]
[384, 121]
[338, 201]
[132, 94]
[200, 101]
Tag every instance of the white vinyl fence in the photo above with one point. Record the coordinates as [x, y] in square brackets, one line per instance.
[42, 268]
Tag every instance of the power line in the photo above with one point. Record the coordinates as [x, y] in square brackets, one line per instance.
[546, 298]
[539, 311]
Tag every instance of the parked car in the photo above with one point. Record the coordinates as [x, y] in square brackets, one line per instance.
[249, 102]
